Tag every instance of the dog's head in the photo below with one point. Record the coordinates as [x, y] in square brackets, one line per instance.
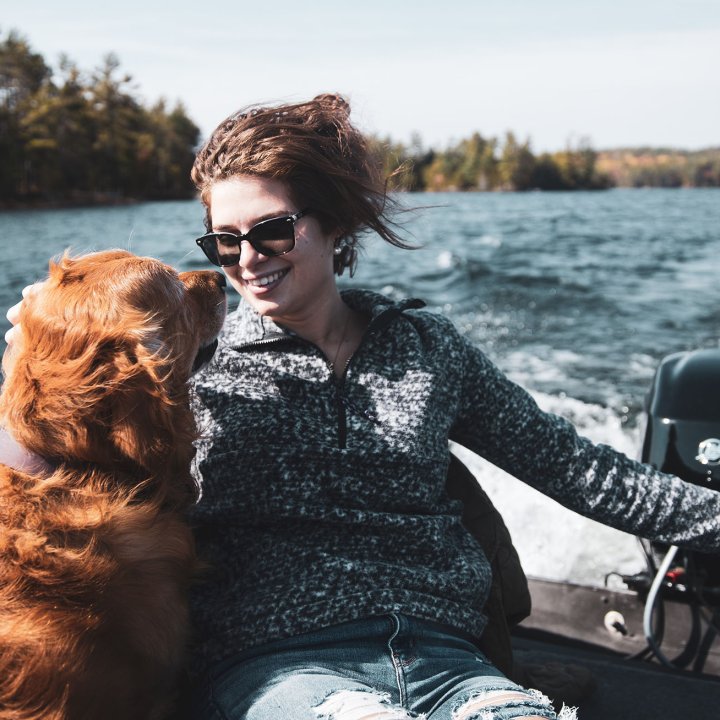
[99, 373]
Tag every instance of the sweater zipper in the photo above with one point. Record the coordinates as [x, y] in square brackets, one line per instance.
[339, 382]
[381, 320]
[340, 403]
[341, 416]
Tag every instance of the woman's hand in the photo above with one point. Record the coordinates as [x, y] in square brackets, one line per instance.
[13, 314]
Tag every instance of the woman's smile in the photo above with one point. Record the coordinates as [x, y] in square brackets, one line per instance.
[265, 283]
[288, 289]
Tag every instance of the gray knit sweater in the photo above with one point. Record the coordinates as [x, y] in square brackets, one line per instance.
[323, 500]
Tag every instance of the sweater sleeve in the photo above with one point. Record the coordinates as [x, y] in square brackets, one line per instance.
[501, 422]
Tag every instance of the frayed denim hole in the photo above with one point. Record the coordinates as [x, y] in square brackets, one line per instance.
[498, 688]
[361, 705]
[486, 704]
[568, 713]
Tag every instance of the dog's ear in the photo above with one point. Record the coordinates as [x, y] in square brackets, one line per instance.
[148, 415]
[99, 374]
[80, 391]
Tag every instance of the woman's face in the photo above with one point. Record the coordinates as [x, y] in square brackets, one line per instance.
[289, 288]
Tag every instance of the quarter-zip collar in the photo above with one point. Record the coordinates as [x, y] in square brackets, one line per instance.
[245, 328]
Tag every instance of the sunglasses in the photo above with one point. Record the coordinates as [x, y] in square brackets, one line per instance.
[272, 237]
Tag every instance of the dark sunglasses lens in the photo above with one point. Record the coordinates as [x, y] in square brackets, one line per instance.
[273, 237]
[222, 249]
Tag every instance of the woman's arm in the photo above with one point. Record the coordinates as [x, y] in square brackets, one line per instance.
[501, 421]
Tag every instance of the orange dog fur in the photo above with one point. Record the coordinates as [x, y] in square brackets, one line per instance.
[95, 558]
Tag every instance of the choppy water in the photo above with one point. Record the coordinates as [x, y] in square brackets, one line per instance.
[577, 296]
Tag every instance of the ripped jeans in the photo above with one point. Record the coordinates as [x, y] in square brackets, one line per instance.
[392, 667]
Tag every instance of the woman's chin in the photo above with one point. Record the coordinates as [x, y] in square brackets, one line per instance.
[262, 303]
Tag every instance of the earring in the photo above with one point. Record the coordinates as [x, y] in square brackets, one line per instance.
[339, 246]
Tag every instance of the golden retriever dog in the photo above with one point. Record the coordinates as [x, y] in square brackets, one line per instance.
[95, 557]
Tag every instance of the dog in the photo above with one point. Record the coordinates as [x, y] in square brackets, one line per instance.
[95, 555]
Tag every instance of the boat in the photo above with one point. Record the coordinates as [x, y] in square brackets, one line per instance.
[652, 639]
[581, 625]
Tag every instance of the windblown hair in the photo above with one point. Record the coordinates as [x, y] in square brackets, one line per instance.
[95, 555]
[316, 150]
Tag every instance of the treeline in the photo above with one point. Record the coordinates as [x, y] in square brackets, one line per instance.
[68, 136]
[652, 167]
[480, 163]
[82, 137]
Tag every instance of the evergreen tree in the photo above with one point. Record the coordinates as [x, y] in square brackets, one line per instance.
[22, 74]
[86, 138]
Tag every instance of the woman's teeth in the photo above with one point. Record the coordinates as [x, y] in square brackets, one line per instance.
[266, 280]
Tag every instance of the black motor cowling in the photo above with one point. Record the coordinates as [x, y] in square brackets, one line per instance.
[682, 436]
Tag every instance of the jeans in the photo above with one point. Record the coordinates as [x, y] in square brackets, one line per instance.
[386, 668]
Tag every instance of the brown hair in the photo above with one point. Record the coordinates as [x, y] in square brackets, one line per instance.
[315, 149]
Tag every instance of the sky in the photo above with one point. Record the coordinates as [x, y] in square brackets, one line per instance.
[616, 73]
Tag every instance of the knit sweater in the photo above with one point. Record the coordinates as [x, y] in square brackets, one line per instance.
[323, 499]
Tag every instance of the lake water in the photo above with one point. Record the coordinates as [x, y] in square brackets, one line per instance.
[577, 296]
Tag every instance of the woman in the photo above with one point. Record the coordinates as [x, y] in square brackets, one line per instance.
[342, 583]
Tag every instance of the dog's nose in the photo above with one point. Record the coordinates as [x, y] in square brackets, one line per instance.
[222, 281]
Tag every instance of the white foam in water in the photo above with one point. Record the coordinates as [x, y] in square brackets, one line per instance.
[445, 260]
[490, 241]
[553, 542]
[542, 365]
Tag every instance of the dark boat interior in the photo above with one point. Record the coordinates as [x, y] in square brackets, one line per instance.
[602, 631]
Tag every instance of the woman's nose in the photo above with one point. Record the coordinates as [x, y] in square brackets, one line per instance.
[249, 256]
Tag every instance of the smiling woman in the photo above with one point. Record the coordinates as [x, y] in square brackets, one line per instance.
[305, 175]
[287, 287]
[344, 581]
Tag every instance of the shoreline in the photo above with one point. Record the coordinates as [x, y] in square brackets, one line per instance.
[99, 200]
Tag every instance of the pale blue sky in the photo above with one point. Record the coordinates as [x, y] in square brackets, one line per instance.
[618, 72]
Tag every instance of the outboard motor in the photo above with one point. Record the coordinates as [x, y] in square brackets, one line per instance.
[682, 437]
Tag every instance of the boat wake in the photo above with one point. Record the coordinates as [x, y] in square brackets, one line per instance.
[555, 543]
